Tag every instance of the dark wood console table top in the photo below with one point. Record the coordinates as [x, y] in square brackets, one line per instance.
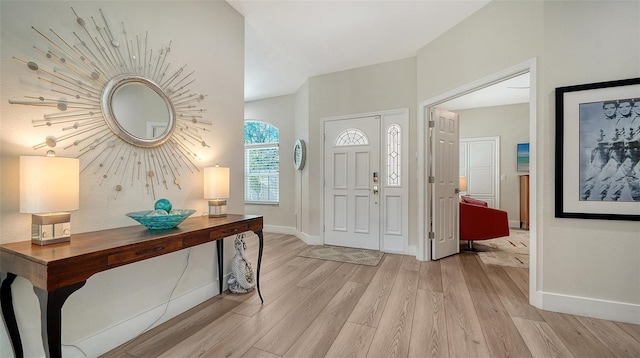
[58, 270]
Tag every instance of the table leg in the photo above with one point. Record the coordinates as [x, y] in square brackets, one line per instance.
[220, 246]
[9, 315]
[260, 247]
[51, 303]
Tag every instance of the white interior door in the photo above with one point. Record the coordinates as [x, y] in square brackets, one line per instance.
[443, 187]
[480, 158]
[352, 182]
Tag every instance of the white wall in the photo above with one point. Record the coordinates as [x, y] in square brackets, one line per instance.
[586, 267]
[279, 112]
[116, 305]
[511, 124]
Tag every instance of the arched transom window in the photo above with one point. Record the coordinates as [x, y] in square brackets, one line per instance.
[351, 136]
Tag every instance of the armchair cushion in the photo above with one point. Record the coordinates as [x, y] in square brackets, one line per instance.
[470, 200]
[481, 222]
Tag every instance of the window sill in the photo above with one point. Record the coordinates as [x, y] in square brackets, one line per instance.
[271, 203]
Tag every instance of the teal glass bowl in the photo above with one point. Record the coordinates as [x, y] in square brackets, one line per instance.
[160, 222]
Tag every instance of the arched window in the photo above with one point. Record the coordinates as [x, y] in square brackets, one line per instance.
[261, 162]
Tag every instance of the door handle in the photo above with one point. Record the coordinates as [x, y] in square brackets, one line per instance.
[375, 190]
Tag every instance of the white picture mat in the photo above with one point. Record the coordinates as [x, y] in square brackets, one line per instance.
[571, 152]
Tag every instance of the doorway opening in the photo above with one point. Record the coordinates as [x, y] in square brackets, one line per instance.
[424, 109]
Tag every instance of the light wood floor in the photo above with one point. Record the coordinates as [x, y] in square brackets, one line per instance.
[454, 307]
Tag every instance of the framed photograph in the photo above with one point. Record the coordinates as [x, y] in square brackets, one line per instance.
[598, 151]
[523, 157]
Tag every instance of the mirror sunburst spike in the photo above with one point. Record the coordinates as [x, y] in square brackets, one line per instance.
[80, 74]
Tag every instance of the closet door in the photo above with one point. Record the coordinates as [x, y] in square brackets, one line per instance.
[481, 164]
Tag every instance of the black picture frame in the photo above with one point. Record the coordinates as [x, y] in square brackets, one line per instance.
[584, 141]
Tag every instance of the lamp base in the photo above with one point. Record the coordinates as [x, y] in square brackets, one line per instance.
[217, 208]
[47, 229]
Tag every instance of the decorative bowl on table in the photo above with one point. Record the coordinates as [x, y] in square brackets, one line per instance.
[163, 217]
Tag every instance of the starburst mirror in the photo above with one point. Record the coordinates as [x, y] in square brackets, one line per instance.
[117, 104]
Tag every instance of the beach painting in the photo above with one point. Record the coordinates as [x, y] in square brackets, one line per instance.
[523, 157]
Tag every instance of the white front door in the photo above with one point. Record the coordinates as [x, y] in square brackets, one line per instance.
[444, 178]
[352, 182]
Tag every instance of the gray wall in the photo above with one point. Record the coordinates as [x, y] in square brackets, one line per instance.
[116, 305]
[385, 86]
[511, 124]
[279, 112]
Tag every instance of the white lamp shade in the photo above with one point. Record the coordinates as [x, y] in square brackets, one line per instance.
[463, 184]
[216, 183]
[49, 184]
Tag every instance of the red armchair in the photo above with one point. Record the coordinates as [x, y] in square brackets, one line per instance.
[480, 222]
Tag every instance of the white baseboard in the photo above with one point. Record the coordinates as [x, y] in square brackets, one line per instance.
[285, 230]
[118, 334]
[288, 230]
[309, 239]
[589, 307]
[514, 224]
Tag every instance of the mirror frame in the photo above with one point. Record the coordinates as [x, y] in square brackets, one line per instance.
[106, 102]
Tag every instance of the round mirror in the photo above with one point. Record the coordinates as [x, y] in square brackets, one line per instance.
[138, 111]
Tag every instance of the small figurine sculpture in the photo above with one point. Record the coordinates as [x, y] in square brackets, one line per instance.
[241, 279]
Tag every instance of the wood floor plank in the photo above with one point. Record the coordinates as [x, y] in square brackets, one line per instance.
[285, 333]
[369, 309]
[364, 274]
[512, 298]
[619, 342]
[430, 276]
[410, 263]
[464, 333]
[429, 330]
[275, 288]
[474, 275]
[177, 328]
[199, 342]
[318, 337]
[244, 337]
[281, 257]
[632, 329]
[315, 278]
[575, 336]
[540, 338]
[352, 341]
[520, 277]
[392, 337]
[500, 333]
[256, 353]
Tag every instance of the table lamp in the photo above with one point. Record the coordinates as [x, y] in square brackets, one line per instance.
[463, 185]
[49, 187]
[216, 189]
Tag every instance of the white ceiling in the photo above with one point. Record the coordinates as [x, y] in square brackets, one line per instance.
[288, 41]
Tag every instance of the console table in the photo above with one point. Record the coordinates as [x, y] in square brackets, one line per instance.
[58, 270]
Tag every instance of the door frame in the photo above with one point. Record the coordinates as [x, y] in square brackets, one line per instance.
[403, 113]
[424, 107]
